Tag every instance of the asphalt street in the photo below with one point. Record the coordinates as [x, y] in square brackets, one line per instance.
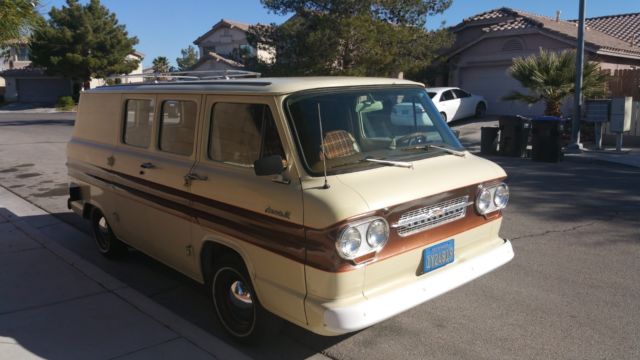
[571, 291]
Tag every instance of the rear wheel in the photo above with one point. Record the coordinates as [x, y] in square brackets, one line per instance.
[444, 116]
[237, 305]
[107, 242]
[481, 110]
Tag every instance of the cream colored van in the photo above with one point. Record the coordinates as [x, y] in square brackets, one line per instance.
[333, 203]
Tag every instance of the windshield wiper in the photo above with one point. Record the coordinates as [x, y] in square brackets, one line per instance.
[403, 164]
[428, 146]
[449, 150]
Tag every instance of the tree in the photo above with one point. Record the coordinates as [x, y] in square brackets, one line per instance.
[550, 77]
[161, 65]
[188, 59]
[17, 19]
[350, 37]
[81, 42]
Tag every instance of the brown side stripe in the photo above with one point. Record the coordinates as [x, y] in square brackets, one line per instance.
[315, 247]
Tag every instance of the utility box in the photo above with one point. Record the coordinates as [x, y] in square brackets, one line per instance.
[621, 110]
[597, 111]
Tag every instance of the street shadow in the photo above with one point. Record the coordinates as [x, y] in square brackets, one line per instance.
[572, 191]
[169, 288]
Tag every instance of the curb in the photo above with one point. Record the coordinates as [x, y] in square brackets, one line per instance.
[594, 160]
[200, 338]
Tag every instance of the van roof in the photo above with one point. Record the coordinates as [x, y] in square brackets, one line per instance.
[272, 86]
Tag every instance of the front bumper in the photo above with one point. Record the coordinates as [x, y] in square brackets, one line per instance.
[362, 314]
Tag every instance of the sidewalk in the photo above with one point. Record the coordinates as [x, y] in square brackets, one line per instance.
[55, 305]
[632, 158]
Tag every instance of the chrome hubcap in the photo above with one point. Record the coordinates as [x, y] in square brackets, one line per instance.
[240, 295]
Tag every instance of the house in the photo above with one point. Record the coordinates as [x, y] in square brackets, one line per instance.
[487, 43]
[225, 47]
[14, 56]
[27, 84]
[135, 55]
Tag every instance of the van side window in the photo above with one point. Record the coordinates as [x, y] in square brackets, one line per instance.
[138, 120]
[243, 133]
[177, 126]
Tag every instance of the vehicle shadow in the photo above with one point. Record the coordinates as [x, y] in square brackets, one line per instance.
[178, 293]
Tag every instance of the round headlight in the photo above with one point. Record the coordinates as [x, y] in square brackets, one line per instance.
[377, 234]
[348, 243]
[483, 201]
[501, 196]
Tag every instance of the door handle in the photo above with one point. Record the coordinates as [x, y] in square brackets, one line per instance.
[193, 176]
[147, 165]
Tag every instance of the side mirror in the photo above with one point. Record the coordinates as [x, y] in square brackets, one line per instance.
[270, 165]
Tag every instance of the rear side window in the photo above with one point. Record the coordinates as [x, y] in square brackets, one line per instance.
[138, 120]
[177, 126]
[447, 95]
[242, 133]
[461, 93]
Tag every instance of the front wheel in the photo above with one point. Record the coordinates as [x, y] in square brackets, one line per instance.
[444, 116]
[481, 110]
[237, 305]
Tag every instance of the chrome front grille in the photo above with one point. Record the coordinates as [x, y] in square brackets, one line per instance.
[431, 216]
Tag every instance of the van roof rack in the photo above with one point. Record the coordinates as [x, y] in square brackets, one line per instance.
[176, 76]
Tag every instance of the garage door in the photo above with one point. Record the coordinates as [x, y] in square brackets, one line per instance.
[42, 90]
[494, 82]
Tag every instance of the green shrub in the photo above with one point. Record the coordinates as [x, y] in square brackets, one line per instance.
[65, 103]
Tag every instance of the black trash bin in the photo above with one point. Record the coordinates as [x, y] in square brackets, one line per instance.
[546, 139]
[514, 135]
[489, 140]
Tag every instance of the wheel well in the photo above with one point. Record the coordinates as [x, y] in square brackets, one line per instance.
[87, 210]
[211, 252]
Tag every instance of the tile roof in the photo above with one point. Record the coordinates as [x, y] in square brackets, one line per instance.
[623, 26]
[220, 24]
[506, 19]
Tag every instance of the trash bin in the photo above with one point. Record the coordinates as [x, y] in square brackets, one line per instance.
[546, 139]
[514, 135]
[489, 140]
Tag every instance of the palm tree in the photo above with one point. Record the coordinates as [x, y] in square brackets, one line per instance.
[550, 77]
[161, 65]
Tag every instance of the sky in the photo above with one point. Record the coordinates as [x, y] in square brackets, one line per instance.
[163, 27]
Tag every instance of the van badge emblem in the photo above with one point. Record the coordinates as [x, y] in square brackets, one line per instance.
[436, 212]
[280, 213]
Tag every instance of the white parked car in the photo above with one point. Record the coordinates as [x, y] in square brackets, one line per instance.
[454, 103]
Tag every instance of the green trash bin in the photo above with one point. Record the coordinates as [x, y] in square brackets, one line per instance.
[546, 139]
[489, 140]
[514, 135]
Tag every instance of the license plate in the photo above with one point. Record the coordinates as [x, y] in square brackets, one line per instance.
[437, 256]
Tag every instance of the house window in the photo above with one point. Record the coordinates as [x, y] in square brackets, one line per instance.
[247, 50]
[208, 49]
[138, 120]
[177, 127]
[243, 133]
[513, 44]
[22, 53]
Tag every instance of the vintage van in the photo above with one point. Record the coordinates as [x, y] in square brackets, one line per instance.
[331, 202]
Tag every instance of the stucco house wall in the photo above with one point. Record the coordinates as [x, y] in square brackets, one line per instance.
[483, 68]
[223, 41]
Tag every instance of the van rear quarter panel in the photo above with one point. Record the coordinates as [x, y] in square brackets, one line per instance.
[98, 117]
[94, 135]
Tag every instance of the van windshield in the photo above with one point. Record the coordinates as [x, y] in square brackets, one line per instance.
[367, 127]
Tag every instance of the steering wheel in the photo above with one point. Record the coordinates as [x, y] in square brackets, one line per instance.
[414, 139]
